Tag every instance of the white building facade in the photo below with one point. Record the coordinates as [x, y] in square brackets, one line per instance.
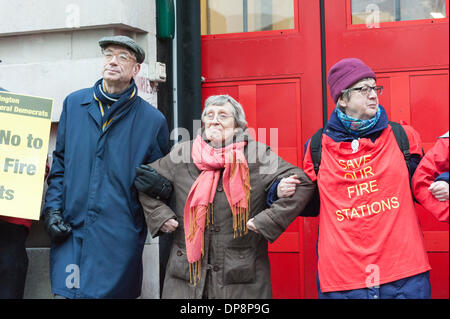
[49, 48]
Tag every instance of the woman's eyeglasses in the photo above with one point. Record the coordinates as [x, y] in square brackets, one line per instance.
[366, 90]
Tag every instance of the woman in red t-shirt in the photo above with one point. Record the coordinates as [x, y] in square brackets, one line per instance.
[370, 243]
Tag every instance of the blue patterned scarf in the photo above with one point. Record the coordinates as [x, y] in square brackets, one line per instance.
[111, 105]
[357, 127]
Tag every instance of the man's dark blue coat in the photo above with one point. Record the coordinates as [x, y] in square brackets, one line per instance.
[91, 181]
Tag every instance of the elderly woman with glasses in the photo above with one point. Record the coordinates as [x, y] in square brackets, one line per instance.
[370, 243]
[220, 218]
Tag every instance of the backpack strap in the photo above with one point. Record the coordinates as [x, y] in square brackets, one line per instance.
[316, 149]
[402, 141]
[312, 208]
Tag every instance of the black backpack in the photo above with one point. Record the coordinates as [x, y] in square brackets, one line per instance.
[313, 207]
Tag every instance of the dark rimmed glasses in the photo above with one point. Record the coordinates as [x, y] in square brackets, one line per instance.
[122, 57]
[366, 90]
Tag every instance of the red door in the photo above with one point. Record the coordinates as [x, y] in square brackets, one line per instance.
[408, 49]
[276, 75]
[271, 63]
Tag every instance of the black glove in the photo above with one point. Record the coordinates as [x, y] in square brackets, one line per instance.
[55, 226]
[150, 182]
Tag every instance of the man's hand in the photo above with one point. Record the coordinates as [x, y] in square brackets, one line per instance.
[169, 226]
[55, 226]
[439, 190]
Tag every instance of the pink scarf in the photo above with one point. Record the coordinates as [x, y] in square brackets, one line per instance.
[198, 210]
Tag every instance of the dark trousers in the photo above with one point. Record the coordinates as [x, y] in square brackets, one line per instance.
[414, 287]
[13, 260]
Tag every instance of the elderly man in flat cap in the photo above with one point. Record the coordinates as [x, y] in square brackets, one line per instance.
[92, 212]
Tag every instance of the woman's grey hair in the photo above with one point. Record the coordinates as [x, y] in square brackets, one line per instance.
[238, 111]
[345, 96]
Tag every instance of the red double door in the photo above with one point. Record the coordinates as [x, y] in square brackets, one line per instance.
[277, 77]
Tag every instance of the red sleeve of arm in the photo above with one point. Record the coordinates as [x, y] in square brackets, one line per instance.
[308, 166]
[435, 162]
[415, 141]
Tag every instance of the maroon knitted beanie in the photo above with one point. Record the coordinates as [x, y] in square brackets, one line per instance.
[345, 73]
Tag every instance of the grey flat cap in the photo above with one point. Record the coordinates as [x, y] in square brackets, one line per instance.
[126, 42]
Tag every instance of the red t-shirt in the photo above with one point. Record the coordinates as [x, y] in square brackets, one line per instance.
[434, 163]
[369, 232]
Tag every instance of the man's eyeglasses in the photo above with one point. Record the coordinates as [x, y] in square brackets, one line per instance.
[366, 90]
[122, 57]
[221, 117]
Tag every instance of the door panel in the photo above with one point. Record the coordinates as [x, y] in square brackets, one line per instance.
[429, 96]
[276, 76]
[272, 112]
[410, 59]
[283, 285]
[272, 109]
